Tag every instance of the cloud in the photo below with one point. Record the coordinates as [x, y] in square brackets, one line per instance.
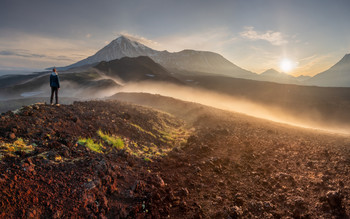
[215, 40]
[20, 53]
[6, 53]
[63, 58]
[38, 51]
[26, 54]
[275, 38]
[88, 35]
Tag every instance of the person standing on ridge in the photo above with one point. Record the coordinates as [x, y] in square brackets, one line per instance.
[55, 85]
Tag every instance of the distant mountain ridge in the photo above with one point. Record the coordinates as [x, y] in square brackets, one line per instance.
[192, 61]
[188, 60]
[336, 76]
[271, 72]
[279, 77]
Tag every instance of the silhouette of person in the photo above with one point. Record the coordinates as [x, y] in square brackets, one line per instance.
[55, 85]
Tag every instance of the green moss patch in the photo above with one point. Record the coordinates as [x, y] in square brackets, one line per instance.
[89, 143]
[116, 142]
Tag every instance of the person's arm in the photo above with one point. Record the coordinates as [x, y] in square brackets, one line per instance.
[58, 82]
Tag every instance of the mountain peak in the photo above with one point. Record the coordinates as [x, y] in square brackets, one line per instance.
[271, 71]
[125, 43]
[345, 59]
[120, 39]
[343, 64]
[123, 38]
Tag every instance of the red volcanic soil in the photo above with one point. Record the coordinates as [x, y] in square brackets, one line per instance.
[190, 162]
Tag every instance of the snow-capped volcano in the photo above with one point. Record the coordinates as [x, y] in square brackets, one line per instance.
[118, 48]
[186, 60]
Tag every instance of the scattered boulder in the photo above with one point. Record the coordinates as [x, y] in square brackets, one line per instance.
[235, 212]
[12, 135]
[334, 199]
[159, 181]
[183, 192]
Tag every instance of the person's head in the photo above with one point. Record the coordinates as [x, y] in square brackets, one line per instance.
[54, 69]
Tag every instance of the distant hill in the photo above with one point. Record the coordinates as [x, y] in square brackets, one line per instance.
[37, 85]
[15, 79]
[309, 103]
[337, 76]
[187, 60]
[141, 68]
[279, 77]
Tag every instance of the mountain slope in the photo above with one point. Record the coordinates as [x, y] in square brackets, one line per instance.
[136, 69]
[192, 161]
[337, 76]
[10, 80]
[45, 156]
[188, 60]
[201, 61]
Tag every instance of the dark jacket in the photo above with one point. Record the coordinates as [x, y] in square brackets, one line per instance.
[54, 80]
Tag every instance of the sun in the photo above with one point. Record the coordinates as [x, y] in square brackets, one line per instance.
[286, 65]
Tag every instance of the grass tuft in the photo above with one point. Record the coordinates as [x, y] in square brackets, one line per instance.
[11, 149]
[89, 143]
[147, 159]
[116, 142]
[142, 130]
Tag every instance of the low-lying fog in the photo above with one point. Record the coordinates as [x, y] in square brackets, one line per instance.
[311, 119]
[237, 104]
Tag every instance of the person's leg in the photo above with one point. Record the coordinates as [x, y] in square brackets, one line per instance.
[52, 90]
[56, 95]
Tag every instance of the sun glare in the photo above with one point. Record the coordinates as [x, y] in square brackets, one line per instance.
[286, 65]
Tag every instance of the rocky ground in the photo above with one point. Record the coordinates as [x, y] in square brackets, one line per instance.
[179, 160]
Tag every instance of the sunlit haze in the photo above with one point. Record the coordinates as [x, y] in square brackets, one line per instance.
[236, 104]
[255, 35]
[286, 65]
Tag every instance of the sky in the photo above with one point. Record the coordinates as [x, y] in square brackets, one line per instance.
[309, 35]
